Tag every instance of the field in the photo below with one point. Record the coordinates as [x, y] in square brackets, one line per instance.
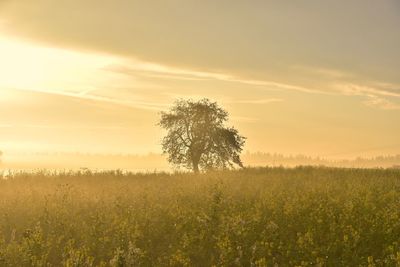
[305, 216]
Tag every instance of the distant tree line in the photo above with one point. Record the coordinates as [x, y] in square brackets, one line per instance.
[277, 159]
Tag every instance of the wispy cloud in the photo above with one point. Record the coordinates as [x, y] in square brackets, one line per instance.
[258, 101]
[86, 95]
[334, 82]
[161, 71]
[322, 71]
[86, 92]
[381, 103]
[360, 89]
[378, 95]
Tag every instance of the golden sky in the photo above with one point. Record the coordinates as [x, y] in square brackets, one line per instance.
[311, 77]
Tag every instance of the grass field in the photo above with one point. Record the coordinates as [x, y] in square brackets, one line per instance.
[255, 217]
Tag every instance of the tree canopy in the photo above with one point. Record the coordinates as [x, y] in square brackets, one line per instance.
[197, 137]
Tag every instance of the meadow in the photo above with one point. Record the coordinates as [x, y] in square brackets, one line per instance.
[305, 216]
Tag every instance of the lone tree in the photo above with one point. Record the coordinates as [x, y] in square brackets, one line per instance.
[197, 137]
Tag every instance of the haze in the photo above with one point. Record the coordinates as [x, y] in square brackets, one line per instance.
[310, 77]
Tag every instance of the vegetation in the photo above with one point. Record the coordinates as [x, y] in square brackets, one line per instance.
[197, 138]
[253, 217]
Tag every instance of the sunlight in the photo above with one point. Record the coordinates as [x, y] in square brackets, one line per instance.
[5, 94]
[29, 66]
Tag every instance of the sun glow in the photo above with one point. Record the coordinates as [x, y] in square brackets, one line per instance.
[29, 66]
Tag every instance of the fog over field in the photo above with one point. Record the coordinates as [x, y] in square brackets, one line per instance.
[157, 162]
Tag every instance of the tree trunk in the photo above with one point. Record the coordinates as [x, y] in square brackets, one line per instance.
[196, 166]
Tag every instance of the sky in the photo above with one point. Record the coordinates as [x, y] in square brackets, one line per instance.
[297, 77]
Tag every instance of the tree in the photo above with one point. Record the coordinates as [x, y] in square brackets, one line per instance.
[197, 137]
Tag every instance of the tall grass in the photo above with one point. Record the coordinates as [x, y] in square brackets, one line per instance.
[255, 217]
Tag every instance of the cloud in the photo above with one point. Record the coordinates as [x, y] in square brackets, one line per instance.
[268, 44]
[258, 41]
[163, 71]
[381, 103]
[321, 71]
[360, 89]
[336, 82]
[166, 72]
[86, 92]
[381, 96]
[258, 101]
[87, 95]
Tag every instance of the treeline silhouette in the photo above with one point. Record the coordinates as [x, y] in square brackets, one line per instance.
[276, 159]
